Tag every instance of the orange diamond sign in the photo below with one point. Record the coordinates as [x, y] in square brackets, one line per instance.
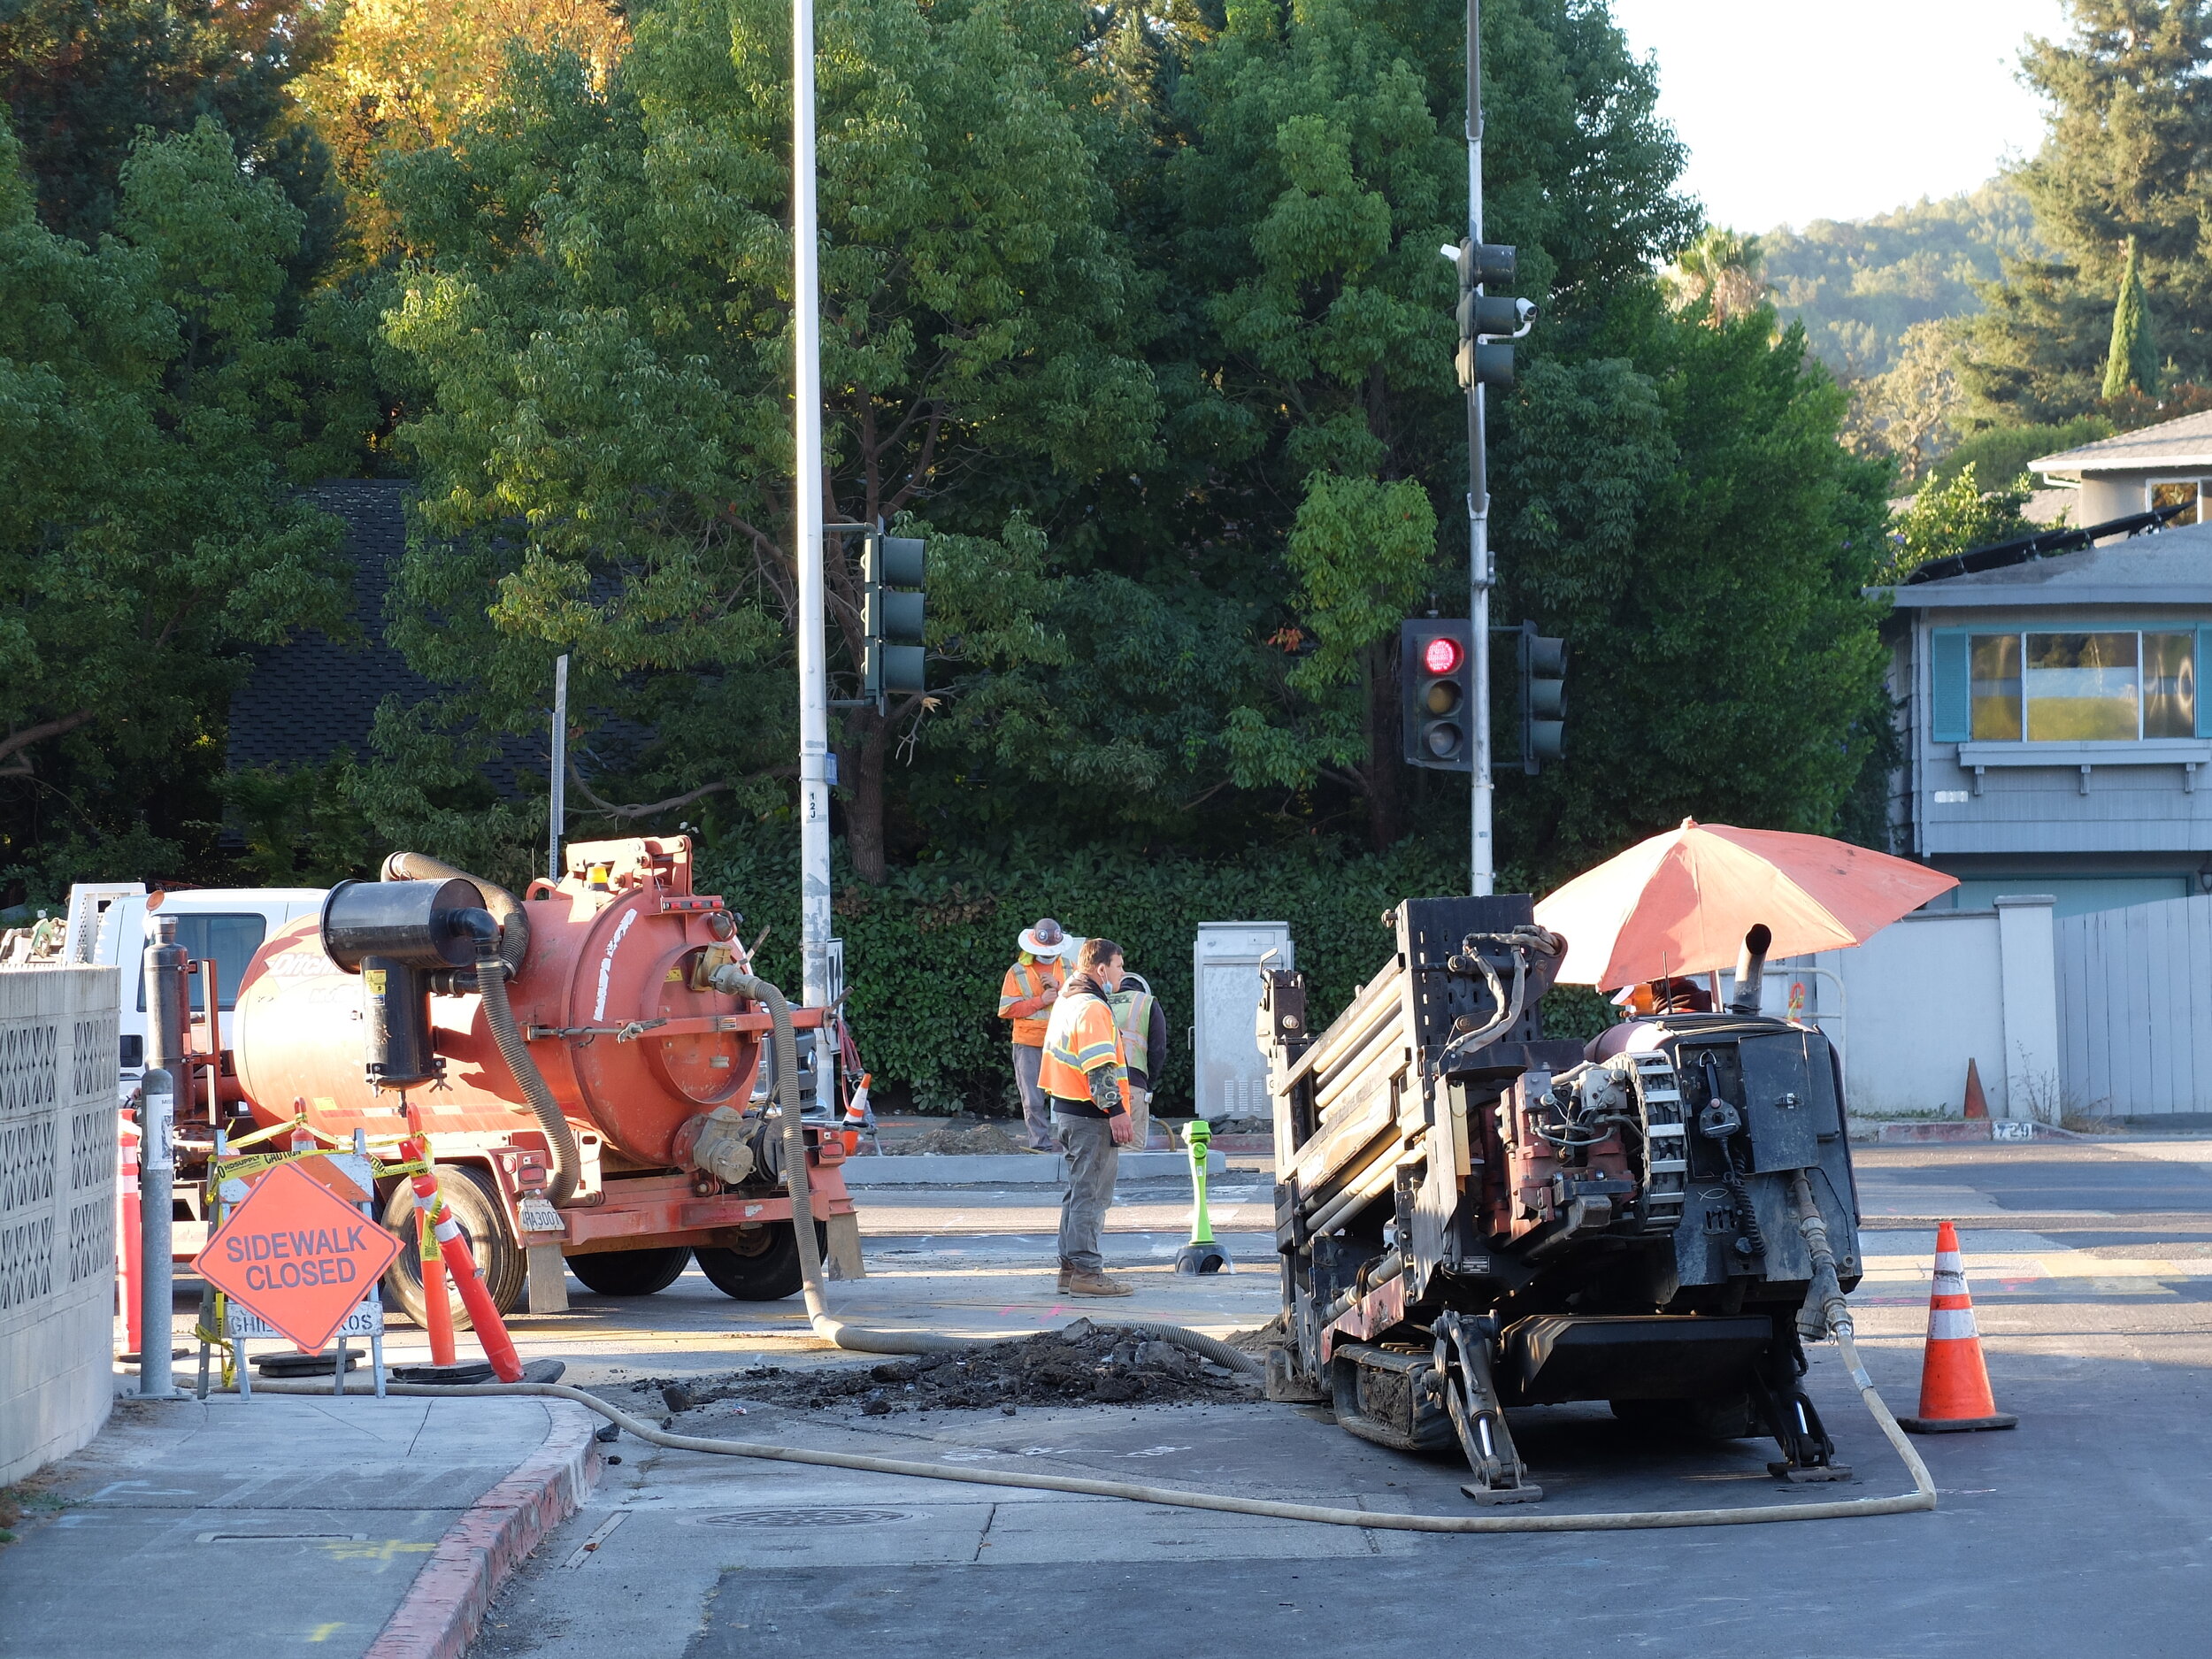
[297, 1255]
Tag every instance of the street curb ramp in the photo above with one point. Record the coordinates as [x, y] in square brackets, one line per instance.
[441, 1613]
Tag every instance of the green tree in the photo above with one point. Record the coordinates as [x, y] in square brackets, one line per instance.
[598, 325]
[1320, 179]
[1949, 516]
[84, 77]
[1684, 516]
[2132, 360]
[2122, 167]
[146, 535]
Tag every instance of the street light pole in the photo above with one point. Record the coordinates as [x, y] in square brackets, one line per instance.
[814, 753]
[1480, 573]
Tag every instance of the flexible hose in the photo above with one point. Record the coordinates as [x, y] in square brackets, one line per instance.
[494, 967]
[514, 924]
[1923, 1496]
[734, 981]
[560, 1139]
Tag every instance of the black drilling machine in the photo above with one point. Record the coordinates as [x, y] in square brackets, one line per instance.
[1471, 1216]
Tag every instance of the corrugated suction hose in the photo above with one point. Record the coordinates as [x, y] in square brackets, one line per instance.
[498, 961]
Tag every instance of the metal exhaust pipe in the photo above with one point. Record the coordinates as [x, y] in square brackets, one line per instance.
[1751, 969]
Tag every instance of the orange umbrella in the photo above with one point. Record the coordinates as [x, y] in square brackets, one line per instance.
[1681, 903]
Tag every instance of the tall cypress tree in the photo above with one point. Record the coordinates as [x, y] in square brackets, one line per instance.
[2126, 165]
[2132, 359]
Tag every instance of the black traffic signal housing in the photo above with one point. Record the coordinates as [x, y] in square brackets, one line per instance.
[1543, 669]
[1488, 323]
[892, 569]
[1436, 680]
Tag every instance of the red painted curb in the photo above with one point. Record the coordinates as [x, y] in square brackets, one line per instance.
[438, 1615]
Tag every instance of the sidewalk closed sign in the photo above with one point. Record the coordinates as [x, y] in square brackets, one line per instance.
[297, 1256]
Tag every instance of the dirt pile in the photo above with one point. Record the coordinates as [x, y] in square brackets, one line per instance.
[1080, 1364]
[982, 1139]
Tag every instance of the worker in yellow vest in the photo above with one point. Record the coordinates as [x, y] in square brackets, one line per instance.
[1025, 996]
[1144, 1046]
[1085, 1073]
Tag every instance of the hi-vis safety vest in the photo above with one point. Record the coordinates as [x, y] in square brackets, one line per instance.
[1025, 982]
[1080, 1037]
[1133, 1012]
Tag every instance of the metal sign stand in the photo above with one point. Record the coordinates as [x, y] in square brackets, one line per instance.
[238, 1325]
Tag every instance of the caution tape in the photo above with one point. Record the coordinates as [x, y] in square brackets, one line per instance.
[254, 1164]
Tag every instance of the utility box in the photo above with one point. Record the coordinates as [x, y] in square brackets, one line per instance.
[1228, 1069]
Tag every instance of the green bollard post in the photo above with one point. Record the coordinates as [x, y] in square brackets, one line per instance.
[1201, 1255]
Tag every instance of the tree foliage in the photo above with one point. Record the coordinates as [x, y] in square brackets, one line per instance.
[2122, 168]
[148, 405]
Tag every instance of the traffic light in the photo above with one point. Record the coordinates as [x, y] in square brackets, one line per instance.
[1543, 664]
[1436, 679]
[1488, 323]
[891, 615]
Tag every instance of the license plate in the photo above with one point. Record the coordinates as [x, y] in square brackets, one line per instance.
[540, 1217]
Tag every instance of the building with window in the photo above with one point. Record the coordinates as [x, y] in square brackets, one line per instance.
[2168, 465]
[2055, 740]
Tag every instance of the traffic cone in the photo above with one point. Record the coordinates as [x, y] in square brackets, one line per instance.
[1953, 1381]
[1977, 1102]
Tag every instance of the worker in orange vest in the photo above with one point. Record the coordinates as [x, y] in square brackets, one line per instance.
[1085, 1073]
[1025, 996]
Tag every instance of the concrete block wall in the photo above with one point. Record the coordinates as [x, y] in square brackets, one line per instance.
[57, 1140]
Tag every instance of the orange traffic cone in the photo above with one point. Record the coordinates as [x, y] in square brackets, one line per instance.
[1954, 1382]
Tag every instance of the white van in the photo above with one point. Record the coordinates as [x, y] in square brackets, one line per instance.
[110, 925]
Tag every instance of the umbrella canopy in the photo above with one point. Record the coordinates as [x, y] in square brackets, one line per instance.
[1681, 903]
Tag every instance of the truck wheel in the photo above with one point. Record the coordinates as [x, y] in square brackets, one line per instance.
[630, 1272]
[468, 1194]
[767, 1274]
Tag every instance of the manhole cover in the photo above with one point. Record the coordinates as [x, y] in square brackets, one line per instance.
[805, 1518]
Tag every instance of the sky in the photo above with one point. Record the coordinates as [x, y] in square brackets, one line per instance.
[1798, 110]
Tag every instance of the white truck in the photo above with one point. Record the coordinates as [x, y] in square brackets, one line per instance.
[109, 924]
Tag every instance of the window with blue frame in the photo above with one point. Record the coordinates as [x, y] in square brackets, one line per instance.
[2104, 685]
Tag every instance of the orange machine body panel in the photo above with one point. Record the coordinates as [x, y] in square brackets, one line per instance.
[611, 947]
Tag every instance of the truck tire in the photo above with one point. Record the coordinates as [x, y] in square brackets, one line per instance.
[468, 1194]
[768, 1274]
[630, 1272]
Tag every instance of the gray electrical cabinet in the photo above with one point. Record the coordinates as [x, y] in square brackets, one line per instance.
[1228, 1069]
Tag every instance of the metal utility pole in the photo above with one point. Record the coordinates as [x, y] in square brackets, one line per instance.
[1480, 573]
[556, 803]
[814, 751]
[168, 1018]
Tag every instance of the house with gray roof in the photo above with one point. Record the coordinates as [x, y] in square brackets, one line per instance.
[2168, 465]
[2057, 739]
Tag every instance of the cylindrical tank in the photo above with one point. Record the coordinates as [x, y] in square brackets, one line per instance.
[611, 947]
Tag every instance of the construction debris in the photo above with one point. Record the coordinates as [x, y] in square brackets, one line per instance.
[1080, 1364]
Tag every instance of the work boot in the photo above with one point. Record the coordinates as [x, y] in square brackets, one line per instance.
[1083, 1282]
[1064, 1270]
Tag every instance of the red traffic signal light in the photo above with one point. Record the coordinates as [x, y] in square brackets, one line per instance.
[1436, 692]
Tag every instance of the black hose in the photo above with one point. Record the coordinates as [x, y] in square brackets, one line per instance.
[498, 961]
[491, 984]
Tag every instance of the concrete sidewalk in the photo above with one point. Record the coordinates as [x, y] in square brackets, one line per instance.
[359, 1526]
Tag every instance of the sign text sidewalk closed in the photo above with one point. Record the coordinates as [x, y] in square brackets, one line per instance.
[297, 1256]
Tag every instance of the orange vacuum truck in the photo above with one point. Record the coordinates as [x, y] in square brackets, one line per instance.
[583, 1061]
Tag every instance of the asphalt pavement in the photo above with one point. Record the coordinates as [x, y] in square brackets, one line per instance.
[2085, 1532]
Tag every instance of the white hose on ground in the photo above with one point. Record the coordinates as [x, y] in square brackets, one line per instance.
[736, 982]
[1923, 1496]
